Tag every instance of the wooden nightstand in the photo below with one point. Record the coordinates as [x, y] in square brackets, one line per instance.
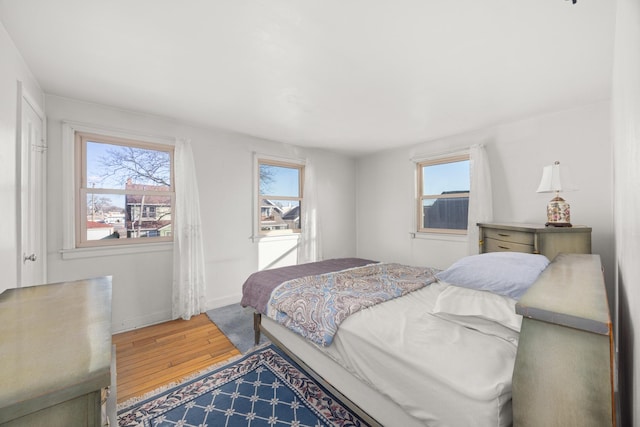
[534, 239]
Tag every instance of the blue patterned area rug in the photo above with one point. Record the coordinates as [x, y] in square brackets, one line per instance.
[263, 388]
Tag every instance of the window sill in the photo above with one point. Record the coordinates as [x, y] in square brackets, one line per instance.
[438, 236]
[97, 252]
[275, 237]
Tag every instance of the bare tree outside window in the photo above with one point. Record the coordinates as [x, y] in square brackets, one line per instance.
[267, 178]
[120, 164]
[128, 190]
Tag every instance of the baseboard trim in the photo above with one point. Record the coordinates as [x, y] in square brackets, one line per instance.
[141, 322]
[164, 316]
[223, 301]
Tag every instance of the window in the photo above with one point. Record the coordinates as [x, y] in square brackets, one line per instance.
[279, 197]
[443, 195]
[124, 191]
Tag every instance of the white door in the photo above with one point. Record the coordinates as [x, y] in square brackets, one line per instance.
[32, 251]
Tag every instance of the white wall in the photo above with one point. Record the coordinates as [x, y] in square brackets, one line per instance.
[224, 168]
[578, 138]
[626, 103]
[12, 69]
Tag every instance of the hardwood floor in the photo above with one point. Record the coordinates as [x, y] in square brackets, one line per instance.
[151, 357]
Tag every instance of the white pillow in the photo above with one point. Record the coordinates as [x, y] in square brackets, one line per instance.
[505, 273]
[468, 303]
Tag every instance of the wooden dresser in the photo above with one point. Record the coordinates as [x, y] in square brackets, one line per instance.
[564, 373]
[534, 239]
[55, 353]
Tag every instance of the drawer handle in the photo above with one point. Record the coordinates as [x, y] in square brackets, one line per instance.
[504, 247]
[503, 235]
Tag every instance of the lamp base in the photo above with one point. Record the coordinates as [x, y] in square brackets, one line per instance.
[558, 213]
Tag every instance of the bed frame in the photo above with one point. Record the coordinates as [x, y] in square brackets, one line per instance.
[563, 375]
[374, 408]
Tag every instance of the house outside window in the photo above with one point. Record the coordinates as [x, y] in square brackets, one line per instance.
[443, 195]
[280, 197]
[124, 191]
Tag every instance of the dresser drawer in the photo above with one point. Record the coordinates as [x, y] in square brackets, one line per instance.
[534, 238]
[512, 236]
[494, 245]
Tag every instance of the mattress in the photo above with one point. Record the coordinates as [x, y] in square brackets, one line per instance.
[438, 371]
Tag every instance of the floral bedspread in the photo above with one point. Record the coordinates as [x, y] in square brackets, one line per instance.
[314, 306]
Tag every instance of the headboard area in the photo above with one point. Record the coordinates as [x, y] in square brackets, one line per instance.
[564, 373]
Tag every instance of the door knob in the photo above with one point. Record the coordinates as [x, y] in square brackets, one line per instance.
[31, 257]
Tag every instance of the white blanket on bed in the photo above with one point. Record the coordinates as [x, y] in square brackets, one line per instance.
[410, 359]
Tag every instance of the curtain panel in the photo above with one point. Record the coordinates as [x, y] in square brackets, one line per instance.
[480, 195]
[309, 241]
[189, 290]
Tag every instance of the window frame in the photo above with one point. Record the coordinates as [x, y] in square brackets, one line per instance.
[81, 189]
[286, 163]
[454, 158]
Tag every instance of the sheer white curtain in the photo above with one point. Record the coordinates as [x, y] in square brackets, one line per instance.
[189, 292]
[480, 196]
[309, 243]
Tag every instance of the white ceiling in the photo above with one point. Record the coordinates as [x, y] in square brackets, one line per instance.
[352, 75]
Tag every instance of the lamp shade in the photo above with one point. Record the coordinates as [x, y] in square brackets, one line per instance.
[550, 181]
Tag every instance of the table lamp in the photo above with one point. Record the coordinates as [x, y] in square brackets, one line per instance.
[558, 210]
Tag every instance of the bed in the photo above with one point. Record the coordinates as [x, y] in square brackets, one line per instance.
[440, 354]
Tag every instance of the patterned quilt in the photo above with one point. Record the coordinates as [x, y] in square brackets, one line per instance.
[314, 306]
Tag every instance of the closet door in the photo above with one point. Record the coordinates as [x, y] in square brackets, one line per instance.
[32, 216]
